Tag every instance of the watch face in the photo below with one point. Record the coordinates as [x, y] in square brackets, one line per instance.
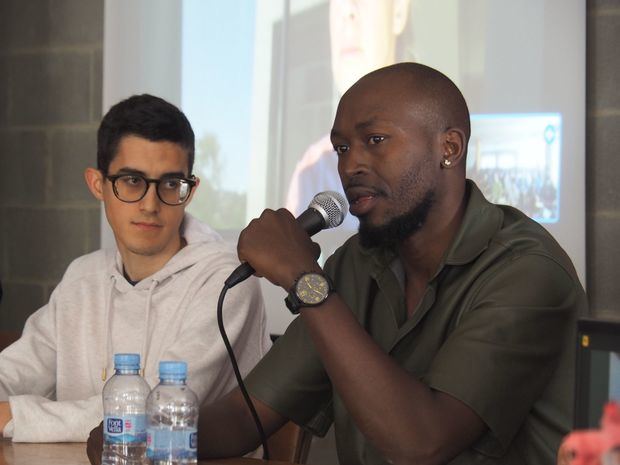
[312, 288]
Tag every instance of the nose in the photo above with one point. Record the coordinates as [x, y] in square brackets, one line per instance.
[352, 163]
[150, 202]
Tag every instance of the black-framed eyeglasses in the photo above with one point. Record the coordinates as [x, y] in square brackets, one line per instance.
[133, 187]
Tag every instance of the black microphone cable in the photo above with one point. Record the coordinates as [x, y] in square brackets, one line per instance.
[233, 361]
[326, 210]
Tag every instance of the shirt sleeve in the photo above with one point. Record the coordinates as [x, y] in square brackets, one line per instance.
[29, 365]
[291, 380]
[38, 419]
[508, 343]
[30, 362]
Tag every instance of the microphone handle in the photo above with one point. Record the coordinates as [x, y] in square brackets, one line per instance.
[310, 220]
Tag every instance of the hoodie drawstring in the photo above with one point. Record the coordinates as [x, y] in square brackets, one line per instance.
[146, 338]
[108, 329]
[107, 324]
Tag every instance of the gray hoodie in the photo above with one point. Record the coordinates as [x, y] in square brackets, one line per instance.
[53, 375]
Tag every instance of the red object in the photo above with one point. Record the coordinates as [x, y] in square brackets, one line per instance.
[586, 447]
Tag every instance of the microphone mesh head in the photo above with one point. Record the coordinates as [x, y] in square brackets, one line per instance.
[332, 205]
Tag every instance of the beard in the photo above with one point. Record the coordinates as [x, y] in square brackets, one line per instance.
[397, 228]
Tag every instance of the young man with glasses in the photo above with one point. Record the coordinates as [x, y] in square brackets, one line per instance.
[155, 294]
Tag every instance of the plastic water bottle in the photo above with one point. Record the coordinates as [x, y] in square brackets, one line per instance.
[172, 418]
[124, 410]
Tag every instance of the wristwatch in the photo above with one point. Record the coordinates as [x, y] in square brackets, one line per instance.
[309, 290]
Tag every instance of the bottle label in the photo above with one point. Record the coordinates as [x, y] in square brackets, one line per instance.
[162, 443]
[126, 429]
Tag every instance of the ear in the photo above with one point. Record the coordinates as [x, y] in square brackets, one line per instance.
[454, 146]
[94, 181]
[400, 14]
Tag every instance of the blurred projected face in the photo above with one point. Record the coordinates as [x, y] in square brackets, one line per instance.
[363, 36]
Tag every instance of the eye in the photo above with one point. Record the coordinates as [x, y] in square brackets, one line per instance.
[131, 180]
[171, 184]
[374, 140]
[340, 149]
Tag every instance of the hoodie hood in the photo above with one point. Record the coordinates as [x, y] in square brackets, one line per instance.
[197, 235]
[201, 241]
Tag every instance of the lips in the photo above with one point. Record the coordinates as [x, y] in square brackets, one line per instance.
[147, 226]
[361, 199]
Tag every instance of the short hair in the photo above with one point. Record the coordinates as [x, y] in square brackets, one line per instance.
[145, 116]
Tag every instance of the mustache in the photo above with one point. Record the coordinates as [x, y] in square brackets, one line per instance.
[361, 185]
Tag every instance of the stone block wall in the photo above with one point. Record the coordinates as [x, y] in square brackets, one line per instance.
[50, 107]
[602, 159]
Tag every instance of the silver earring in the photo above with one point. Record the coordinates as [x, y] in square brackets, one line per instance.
[446, 163]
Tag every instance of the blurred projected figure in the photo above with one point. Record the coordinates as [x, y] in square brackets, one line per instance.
[363, 37]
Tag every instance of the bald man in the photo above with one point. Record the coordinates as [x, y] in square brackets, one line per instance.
[442, 332]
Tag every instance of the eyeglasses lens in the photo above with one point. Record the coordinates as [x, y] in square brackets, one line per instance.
[173, 191]
[130, 188]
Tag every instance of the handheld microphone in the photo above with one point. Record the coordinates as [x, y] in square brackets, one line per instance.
[326, 210]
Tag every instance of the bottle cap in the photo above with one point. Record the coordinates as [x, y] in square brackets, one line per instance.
[172, 370]
[127, 361]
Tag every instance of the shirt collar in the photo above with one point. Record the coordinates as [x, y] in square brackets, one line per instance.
[481, 221]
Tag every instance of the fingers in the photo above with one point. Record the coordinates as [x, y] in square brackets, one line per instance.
[270, 225]
[277, 247]
[285, 213]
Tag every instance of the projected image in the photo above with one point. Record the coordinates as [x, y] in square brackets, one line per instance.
[364, 36]
[261, 82]
[515, 160]
[216, 96]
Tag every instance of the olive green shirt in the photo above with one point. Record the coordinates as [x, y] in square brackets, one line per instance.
[495, 329]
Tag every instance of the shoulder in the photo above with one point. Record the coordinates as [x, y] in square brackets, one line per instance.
[493, 233]
[209, 263]
[206, 249]
[93, 264]
[196, 231]
[520, 237]
[524, 265]
[216, 256]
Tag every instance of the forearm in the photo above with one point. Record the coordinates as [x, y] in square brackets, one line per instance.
[400, 415]
[227, 429]
[37, 419]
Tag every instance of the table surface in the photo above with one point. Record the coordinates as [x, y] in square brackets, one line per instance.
[75, 454]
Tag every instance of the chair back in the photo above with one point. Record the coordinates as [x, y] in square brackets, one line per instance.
[290, 444]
